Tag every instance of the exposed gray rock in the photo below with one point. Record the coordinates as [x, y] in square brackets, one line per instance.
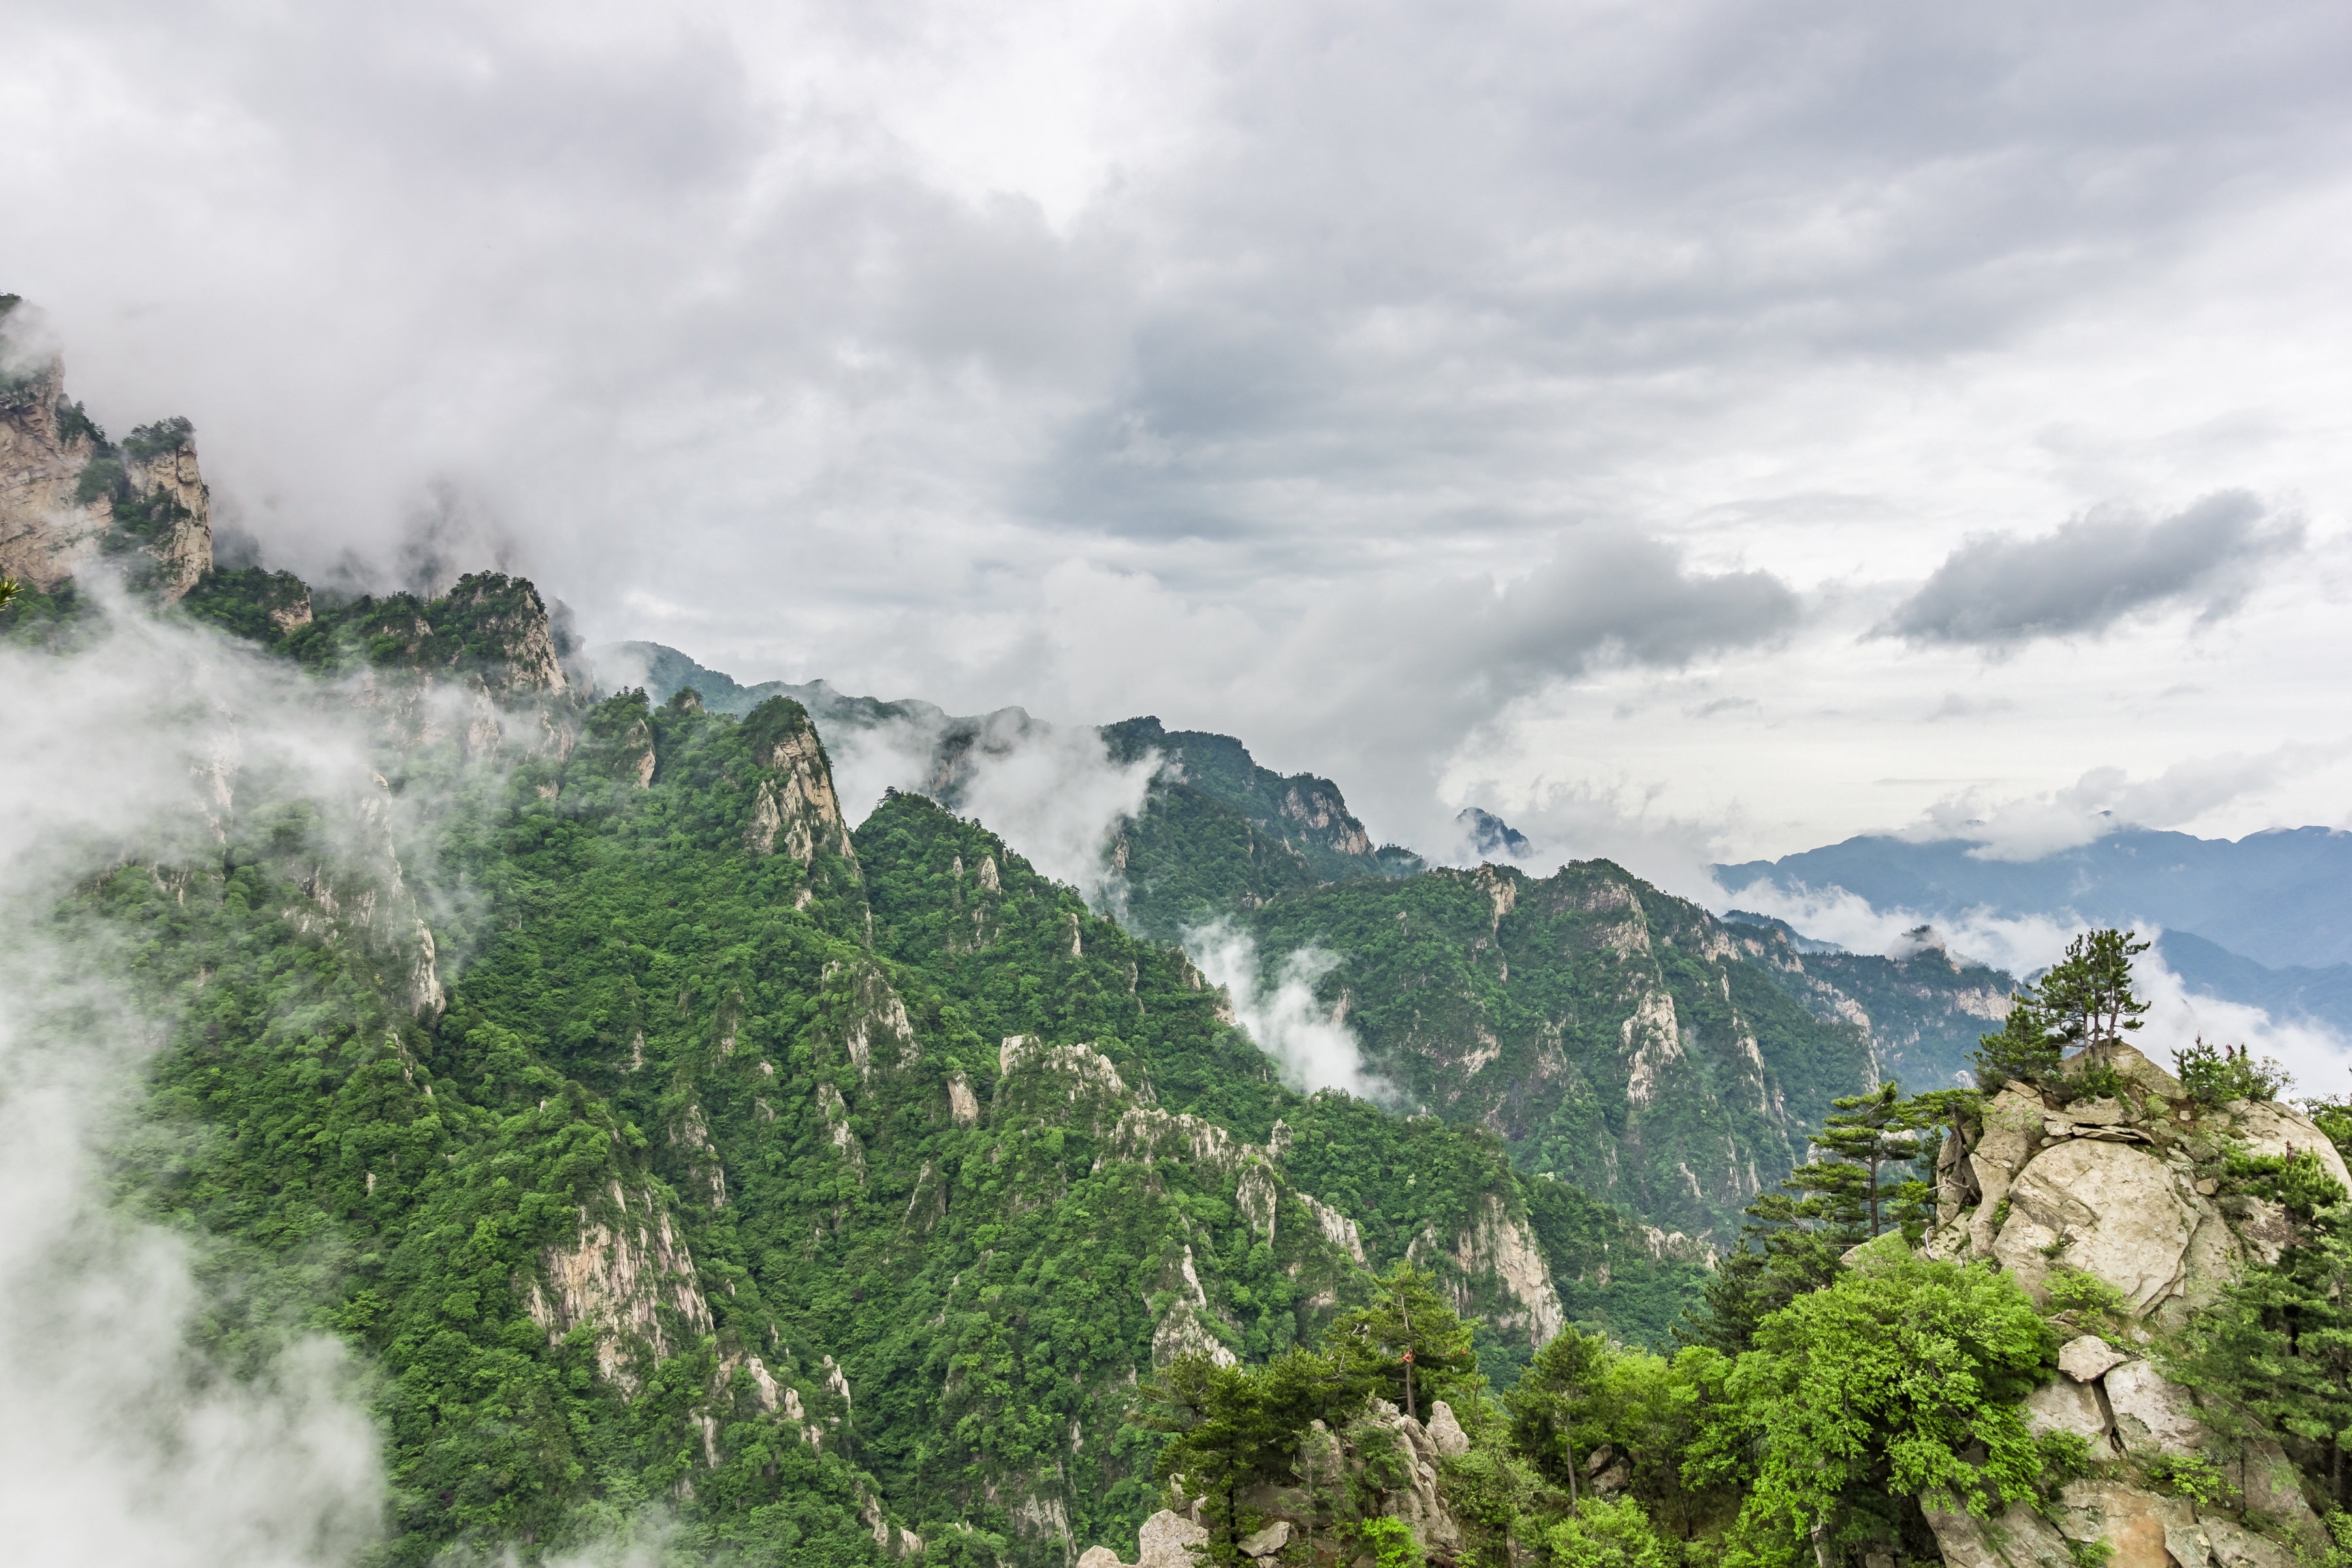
[2087, 1359]
[2127, 1519]
[2011, 1120]
[1451, 1442]
[1268, 1541]
[1163, 1541]
[2120, 1213]
[2235, 1546]
[2017, 1538]
[2152, 1416]
[2187, 1546]
[1098, 1557]
[2270, 1128]
[2064, 1406]
[2273, 1486]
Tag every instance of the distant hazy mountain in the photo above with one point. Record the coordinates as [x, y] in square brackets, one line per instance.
[2266, 920]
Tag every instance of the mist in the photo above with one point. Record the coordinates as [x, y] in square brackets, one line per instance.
[1051, 792]
[2317, 1056]
[1311, 1048]
[124, 1442]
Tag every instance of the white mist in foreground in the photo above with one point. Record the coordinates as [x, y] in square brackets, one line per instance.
[2316, 1055]
[1311, 1048]
[118, 1445]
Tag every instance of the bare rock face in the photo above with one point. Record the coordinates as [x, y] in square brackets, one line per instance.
[2015, 1538]
[47, 530]
[1498, 1245]
[2153, 1416]
[2011, 1118]
[1098, 1557]
[2109, 1209]
[2234, 1546]
[57, 509]
[624, 1264]
[2134, 1522]
[1447, 1432]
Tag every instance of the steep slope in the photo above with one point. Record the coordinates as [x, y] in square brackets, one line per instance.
[1618, 1036]
[663, 1144]
[68, 497]
[1923, 1009]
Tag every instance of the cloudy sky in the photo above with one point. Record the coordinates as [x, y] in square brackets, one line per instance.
[1698, 431]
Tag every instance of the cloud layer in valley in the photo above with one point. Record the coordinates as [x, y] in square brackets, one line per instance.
[124, 1442]
[1535, 407]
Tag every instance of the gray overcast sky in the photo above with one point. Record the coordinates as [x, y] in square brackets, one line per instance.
[1689, 431]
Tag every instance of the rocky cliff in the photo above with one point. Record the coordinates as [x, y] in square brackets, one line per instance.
[68, 497]
[2132, 1191]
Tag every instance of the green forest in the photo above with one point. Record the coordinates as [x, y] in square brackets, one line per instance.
[690, 1167]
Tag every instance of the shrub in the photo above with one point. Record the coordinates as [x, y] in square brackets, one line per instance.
[2215, 1077]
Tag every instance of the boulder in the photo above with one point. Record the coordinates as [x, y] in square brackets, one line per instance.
[2235, 1546]
[2187, 1546]
[1445, 1433]
[2065, 1405]
[2017, 1538]
[1269, 1542]
[2128, 1519]
[1098, 1557]
[2152, 1416]
[2119, 1212]
[2146, 1075]
[2270, 1128]
[1165, 1540]
[2087, 1359]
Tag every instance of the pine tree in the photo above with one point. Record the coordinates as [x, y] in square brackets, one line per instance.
[1870, 1133]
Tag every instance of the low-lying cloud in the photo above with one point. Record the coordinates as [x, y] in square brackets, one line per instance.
[1997, 589]
[1051, 792]
[124, 1442]
[1311, 1048]
[2316, 1055]
[2103, 799]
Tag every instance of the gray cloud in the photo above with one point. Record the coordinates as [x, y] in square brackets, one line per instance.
[2094, 570]
[825, 344]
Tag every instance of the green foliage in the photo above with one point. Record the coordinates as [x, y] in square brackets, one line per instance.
[75, 425]
[2083, 1001]
[1389, 1542]
[1605, 1268]
[2025, 1049]
[148, 442]
[2214, 1077]
[1540, 980]
[1886, 1382]
[1407, 1343]
[1601, 1535]
[1869, 1133]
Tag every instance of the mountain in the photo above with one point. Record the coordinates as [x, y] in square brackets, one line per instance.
[690, 1172]
[69, 497]
[2321, 995]
[2283, 897]
[1606, 1032]
[662, 1138]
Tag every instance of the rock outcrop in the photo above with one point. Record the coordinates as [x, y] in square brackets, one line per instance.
[68, 497]
[2126, 1189]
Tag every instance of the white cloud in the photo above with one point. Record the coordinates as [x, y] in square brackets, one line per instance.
[123, 1442]
[1311, 1048]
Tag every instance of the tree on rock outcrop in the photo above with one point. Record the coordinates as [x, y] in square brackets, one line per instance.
[2084, 1002]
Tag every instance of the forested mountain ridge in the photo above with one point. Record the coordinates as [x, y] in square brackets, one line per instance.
[830, 1190]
